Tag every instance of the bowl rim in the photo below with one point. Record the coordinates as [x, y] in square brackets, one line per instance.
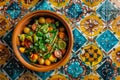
[66, 57]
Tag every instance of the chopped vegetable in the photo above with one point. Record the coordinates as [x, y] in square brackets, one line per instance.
[29, 38]
[61, 44]
[27, 43]
[22, 49]
[43, 40]
[42, 20]
[48, 20]
[34, 57]
[34, 26]
[52, 58]
[46, 56]
[45, 28]
[58, 54]
[22, 37]
[48, 47]
[61, 35]
[47, 62]
[50, 28]
[35, 38]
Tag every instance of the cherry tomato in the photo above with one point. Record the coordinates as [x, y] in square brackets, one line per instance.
[27, 43]
[58, 54]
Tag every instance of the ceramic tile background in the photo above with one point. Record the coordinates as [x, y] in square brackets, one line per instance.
[96, 30]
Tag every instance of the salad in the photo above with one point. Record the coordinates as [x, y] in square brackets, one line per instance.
[43, 40]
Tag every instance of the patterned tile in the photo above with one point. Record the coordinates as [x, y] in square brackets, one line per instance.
[44, 75]
[74, 11]
[107, 40]
[91, 25]
[8, 38]
[79, 40]
[13, 68]
[92, 3]
[91, 55]
[106, 71]
[44, 5]
[75, 69]
[107, 10]
[4, 24]
[13, 10]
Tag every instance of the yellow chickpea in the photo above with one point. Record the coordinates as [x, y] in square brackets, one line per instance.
[42, 20]
[26, 30]
[47, 62]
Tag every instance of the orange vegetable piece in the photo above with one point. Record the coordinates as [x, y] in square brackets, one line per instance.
[34, 26]
[47, 62]
[48, 47]
[48, 20]
[34, 57]
[52, 58]
[50, 28]
[61, 35]
[22, 49]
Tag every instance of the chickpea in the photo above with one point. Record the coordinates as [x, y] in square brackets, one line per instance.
[26, 30]
[47, 62]
[42, 20]
[41, 60]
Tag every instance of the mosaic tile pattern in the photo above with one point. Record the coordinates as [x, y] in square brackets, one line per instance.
[96, 30]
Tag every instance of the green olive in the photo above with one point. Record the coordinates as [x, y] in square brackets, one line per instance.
[42, 20]
[26, 30]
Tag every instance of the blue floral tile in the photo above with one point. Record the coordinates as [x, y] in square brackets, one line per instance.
[107, 11]
[43, 5]
[8, 38]
[13, 68]
[106, 70]
[75, 69]
[79, 40]
[107, 40]
[44, 75]
[74, 10]
[14, 10]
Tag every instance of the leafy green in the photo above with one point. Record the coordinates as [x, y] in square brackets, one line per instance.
[46, 56]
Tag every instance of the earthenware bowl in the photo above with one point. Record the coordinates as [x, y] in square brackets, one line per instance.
[19, 28]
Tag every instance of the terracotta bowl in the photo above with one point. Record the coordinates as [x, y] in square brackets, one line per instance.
[19, 28]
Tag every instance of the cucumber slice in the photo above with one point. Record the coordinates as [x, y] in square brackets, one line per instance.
[61, 44]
